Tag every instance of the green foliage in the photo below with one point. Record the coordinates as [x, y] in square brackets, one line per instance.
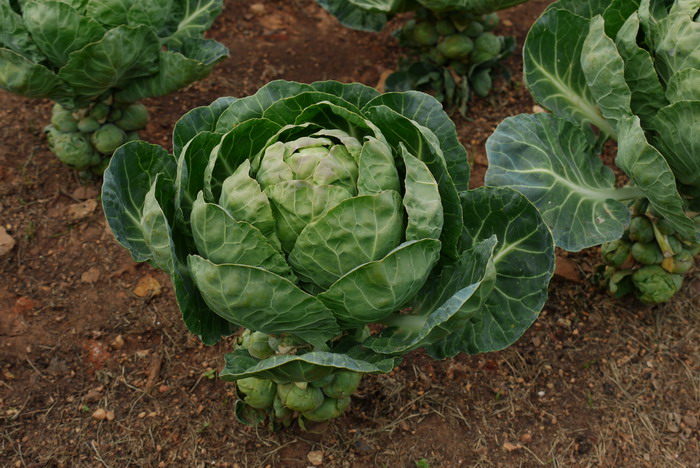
[305, 213]
[629, 70]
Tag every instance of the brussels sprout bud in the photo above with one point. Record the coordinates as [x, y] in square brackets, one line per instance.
[675, 244]
[425, 34]
[329, 409]
[456, 47]
[486, 47]
[491, 21]
[257, 344]
[436, 57]
[297, 399]
[641, 229]
[461, 19]
[475, 29]
[260, 393]
[680, 263]
[115, 115]
[73, 149]
[134, 117]
[132, 136]
[620, 283]
[62, 119]
[615, 253]
[284, 344]
[647, 253]
[343, 385]
[665, 227]
[108, 138]
[444, 27]
[99, 112]
[640, 206]
[281, 412]
[655, 285]
[88, 125]
[482, 83]
[323, 381]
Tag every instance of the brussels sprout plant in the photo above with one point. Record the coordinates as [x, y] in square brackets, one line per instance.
[454, 52]
[627, 71]
[336, 226]
[96, 58]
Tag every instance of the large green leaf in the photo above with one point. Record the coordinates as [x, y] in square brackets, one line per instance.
[123, 54]
[377, 168]
[14, 34]
[552, 61]
[263, 301]
[356, 231]
[153, 13]
[684, 86]
[640, 74]
[155, 226]
[356, 94]
[551, 161]
[651, 173]
[58, 30]
[109, 12]
[586, 9]
[193, 17]
[617, 13]
[300, 368]
[676, 44]
[678, 139]
[199, 119]
[400, 130]
[191, 167]
[374, 290]
[221, 239]
[421, 200]
[354, 17]
[20, 76]
[288, 109]
[604, 70]
[477, 7]
[428, 112]
[127, 181]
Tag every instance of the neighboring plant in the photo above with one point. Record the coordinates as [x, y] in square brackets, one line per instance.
[335, 224]
[627, 71]
[96, 58]
[454, 52]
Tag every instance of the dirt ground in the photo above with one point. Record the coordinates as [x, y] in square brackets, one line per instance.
[98, 370]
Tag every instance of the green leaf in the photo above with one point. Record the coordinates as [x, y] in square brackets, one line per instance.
[604, 70]
[299, 368]
[476, 7]
[587, 9]
[154, 224]
[123, 54]
[428, 112]
[421, 200]
[552, 61]
[676, 44]
[356, 94]
[57, 29]
[262, 301]
[353, 17]
[14, 35]
[153, 13]
[617, 13]
[199, 119]
[374, 290]
[684, 86]
[650, 172]
[20, 76]
[254, 106]
[297, 203]
[640, 74]
[127, 181]
[400, 130]
[376, 169]
[191, 167]
[287, 110]
[356, 231]
[221, 239]
[551, 161]
[678, 139]
[324, 114]
[109, 12]
[193, 18]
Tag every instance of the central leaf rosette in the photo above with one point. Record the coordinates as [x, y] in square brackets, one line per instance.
[326, 213]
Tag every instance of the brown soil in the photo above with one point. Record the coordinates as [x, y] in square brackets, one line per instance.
[595, 382]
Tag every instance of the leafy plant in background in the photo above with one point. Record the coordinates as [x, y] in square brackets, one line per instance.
[336, 226]
[627, 71]
[96, 58]
[454, 52]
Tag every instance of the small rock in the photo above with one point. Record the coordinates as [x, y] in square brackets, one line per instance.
[315, 457]
[96, 353]
[142, 415]
[507, 23]
[163, 388]
[100, 414]
[257, 9]
[94, 395]
[6, 242]
[508, 447]
[84, 193]
[118, 342]
[110, 415]
[567, 269]
[82, 210]
[147, 286]
[526, 438]
[90, 276]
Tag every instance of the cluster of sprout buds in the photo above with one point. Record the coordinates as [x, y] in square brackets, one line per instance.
[457, 53]
[86, 138]
[649, 260]
[280, 403]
